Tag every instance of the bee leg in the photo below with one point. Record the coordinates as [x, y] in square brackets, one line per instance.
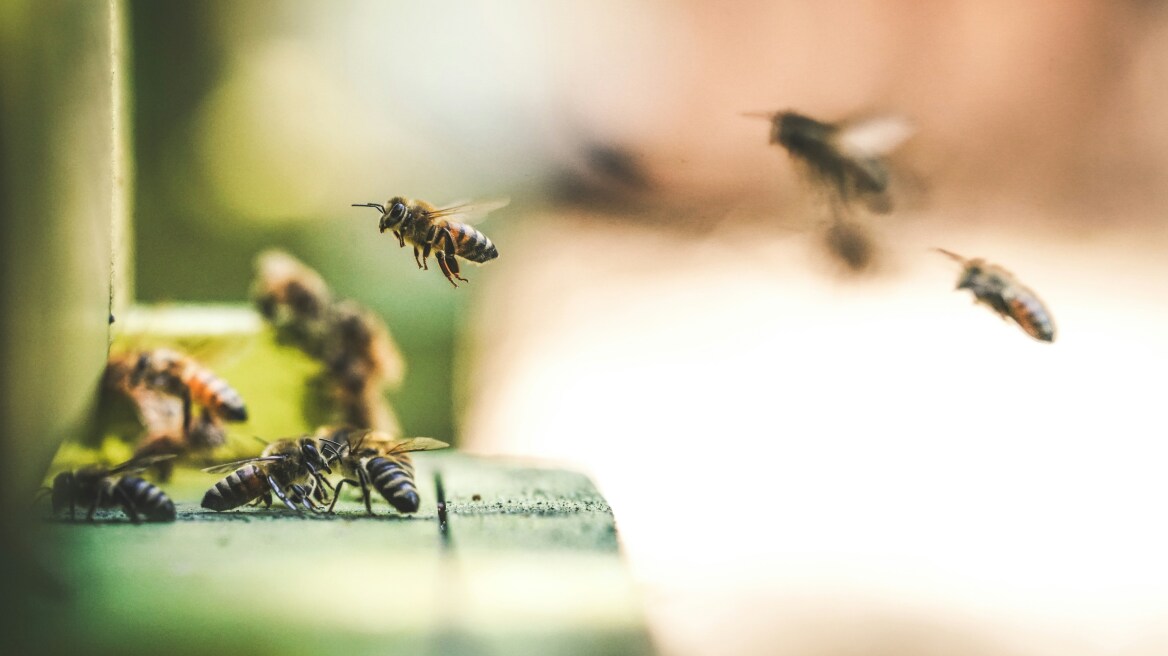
[127, 505]
[425, 255]
[401, 241]
[186, 406]
[96, 502]
[446, 258]
[365, 485]
[275, 487]
[337, 491]
[416, 258]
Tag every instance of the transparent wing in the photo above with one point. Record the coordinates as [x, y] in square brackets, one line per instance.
[232, 466]
[138, 464]
[158, 412]
[415, 444]
[469, 212]
[872, 137]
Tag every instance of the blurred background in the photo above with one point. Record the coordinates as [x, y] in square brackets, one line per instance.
[802, 458]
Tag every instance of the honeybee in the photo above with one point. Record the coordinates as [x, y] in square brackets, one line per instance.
[373, 459]
[848, 157]
[99, 486]
[998, 289]
[361, 360]
[290, 469]
[179, 375]
[294, 299]
[429, 228]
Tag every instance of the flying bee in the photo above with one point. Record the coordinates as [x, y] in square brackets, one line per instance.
[998, 289]
[848, 157]
[182, 376]
[361, 360]
[428, 228]
[99, 486]
[294, 299]
[373, 459]
[290, 469]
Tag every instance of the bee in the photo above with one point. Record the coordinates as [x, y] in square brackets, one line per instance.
[294, 299]
[998, 289]
[99, 486]
[182, 376]
[362, 360]
[848, 157]
[290, 469]
[428, 228]
[373, 459]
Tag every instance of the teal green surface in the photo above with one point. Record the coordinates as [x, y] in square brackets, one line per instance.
[533, 567]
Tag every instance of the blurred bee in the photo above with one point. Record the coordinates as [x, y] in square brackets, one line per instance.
[361, 360]
[171, 372]
[998, 289]
[429, 228]
[290, 469]
[99, 486]
[848, 157]
[373, 459]
[294, 299]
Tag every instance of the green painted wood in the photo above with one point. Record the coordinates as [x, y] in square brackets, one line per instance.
[534, 567]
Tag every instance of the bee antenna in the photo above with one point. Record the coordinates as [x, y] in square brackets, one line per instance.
[951, 254]
[764, 115]
[377, 206]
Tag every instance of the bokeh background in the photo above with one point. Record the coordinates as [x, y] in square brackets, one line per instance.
[801, 458]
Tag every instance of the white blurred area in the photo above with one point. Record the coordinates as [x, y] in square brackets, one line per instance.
[803, 466]
[799, 462]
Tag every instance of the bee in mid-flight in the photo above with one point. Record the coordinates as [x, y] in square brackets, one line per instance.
[99, 486]
[998, 289]
[290, 469]
[848, 157]
[373, 459]
[428, 228]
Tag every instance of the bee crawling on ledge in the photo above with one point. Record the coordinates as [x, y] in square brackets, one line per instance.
[446, 231]
[100, 486]
[998, 289]
[373, 459]
[290, 469]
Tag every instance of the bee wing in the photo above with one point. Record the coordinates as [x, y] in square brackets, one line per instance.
[416, 444]
[158, 412]
[469, 212]
[232, 466]
[138, 464]
[872, 137]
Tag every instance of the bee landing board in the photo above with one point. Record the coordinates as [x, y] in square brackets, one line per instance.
[528, 561]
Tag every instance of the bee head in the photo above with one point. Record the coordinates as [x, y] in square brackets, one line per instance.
[394, 213]
[799, 133]
[62, 490]
[969, 276]
[141, 366]
[312, 457]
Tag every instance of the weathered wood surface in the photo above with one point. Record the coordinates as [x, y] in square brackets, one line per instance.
[534, 567]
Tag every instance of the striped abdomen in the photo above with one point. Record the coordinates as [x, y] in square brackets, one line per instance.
[1031, 315]
[394, 479]
[470, 243]
[244, 485]
[210, 391]
[147, 499]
